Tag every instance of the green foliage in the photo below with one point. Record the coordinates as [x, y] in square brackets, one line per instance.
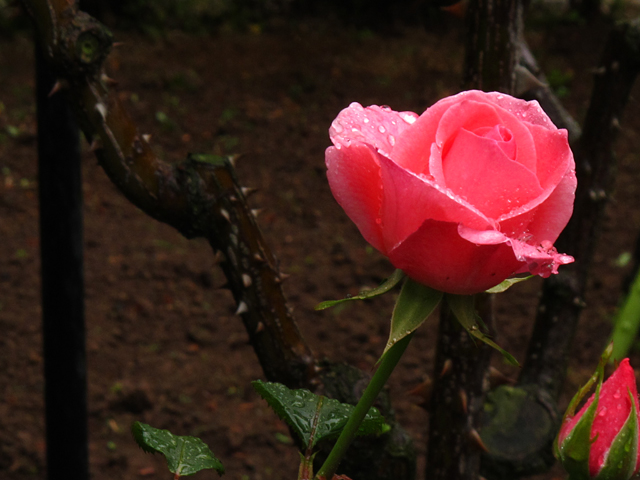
[384, 287]
[507, 284]
[312, 417]
[185, 455]
[627, 322]
[415, 303]
[464, 310]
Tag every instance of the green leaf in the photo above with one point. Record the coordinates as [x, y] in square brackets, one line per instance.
[574, 451]
[185, 455]
[463, 307]
[415, 303]
[384, 287]
[623, 454]
[507, 284]
[313, 417]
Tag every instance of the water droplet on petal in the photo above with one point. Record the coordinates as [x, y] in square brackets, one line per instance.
[392, 140]
[366, 120]
[381, 129]
[602, 412]
[616, 394]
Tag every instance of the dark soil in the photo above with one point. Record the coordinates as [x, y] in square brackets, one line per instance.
[164, 345]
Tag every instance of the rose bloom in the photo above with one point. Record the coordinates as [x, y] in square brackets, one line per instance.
[471, 192]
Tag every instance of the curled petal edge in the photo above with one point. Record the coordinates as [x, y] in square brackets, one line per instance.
[542, 260]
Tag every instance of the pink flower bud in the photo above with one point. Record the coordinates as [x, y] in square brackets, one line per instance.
[601, 440]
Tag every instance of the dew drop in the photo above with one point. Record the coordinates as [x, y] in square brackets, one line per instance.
[616, 394]
[355, 130]
[337, 127]
[500, 97]
[408, 117]
[602, 412]
[392, 140]
[379, 221]
[366, 120]
[381, 129]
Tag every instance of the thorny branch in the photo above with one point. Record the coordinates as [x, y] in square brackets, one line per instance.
[200, 197]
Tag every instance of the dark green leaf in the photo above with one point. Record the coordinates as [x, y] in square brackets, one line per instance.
[313, 417]
[384, 287]
[507, 284]
[185, 455]
[463, 307]
[415, 303]
[574, 451]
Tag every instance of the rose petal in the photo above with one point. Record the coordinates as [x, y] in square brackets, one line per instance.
[540, 260]
[525, 111]
[354, 178]
[410, 199]
[379, 127]
[477, 169]
[554, 155]
[550, 217]
[438, 256]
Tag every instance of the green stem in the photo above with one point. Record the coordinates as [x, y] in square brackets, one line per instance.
[387, 363]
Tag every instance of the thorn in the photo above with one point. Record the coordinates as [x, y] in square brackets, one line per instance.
[246, 280]
[146, 137]
[59, 85]
[96, 144]
[242, 308]
[218, 256]
[232, 160]
[283, 276]
[108, 80]
[102, 110]
[256, 211]
[464, 402]
[259, 327]
[225, 214]
[497, 378]
[475, 439]
[248, 191]
[446, 367]
[317, 368]
[424, 391]
[258, 258]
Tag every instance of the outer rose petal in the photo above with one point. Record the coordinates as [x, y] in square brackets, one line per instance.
[354, 179]
[376, 126]
[437, 256]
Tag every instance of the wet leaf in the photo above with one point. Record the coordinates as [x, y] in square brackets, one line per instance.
[313, 417]
[384, 287]
[185, 455]
[463, 307]
[507, 284]
[415, 303]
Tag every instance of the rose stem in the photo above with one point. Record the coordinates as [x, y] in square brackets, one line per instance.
[387, 363]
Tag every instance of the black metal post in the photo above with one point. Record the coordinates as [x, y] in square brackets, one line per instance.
[60, 190]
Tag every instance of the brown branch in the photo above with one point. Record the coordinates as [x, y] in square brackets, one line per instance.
[494, 31]
[199, 197]
[540, 383]
[458, 398]
[563, 295]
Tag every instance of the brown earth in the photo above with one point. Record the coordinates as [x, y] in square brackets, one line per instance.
[164, 346]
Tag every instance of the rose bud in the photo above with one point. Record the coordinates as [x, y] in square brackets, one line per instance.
[601, 440]
[471, 192]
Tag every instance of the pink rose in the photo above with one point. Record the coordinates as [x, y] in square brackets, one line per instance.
[472, 191]
[613, 440]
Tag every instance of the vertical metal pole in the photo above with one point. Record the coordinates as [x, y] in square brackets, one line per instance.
[60, 190]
